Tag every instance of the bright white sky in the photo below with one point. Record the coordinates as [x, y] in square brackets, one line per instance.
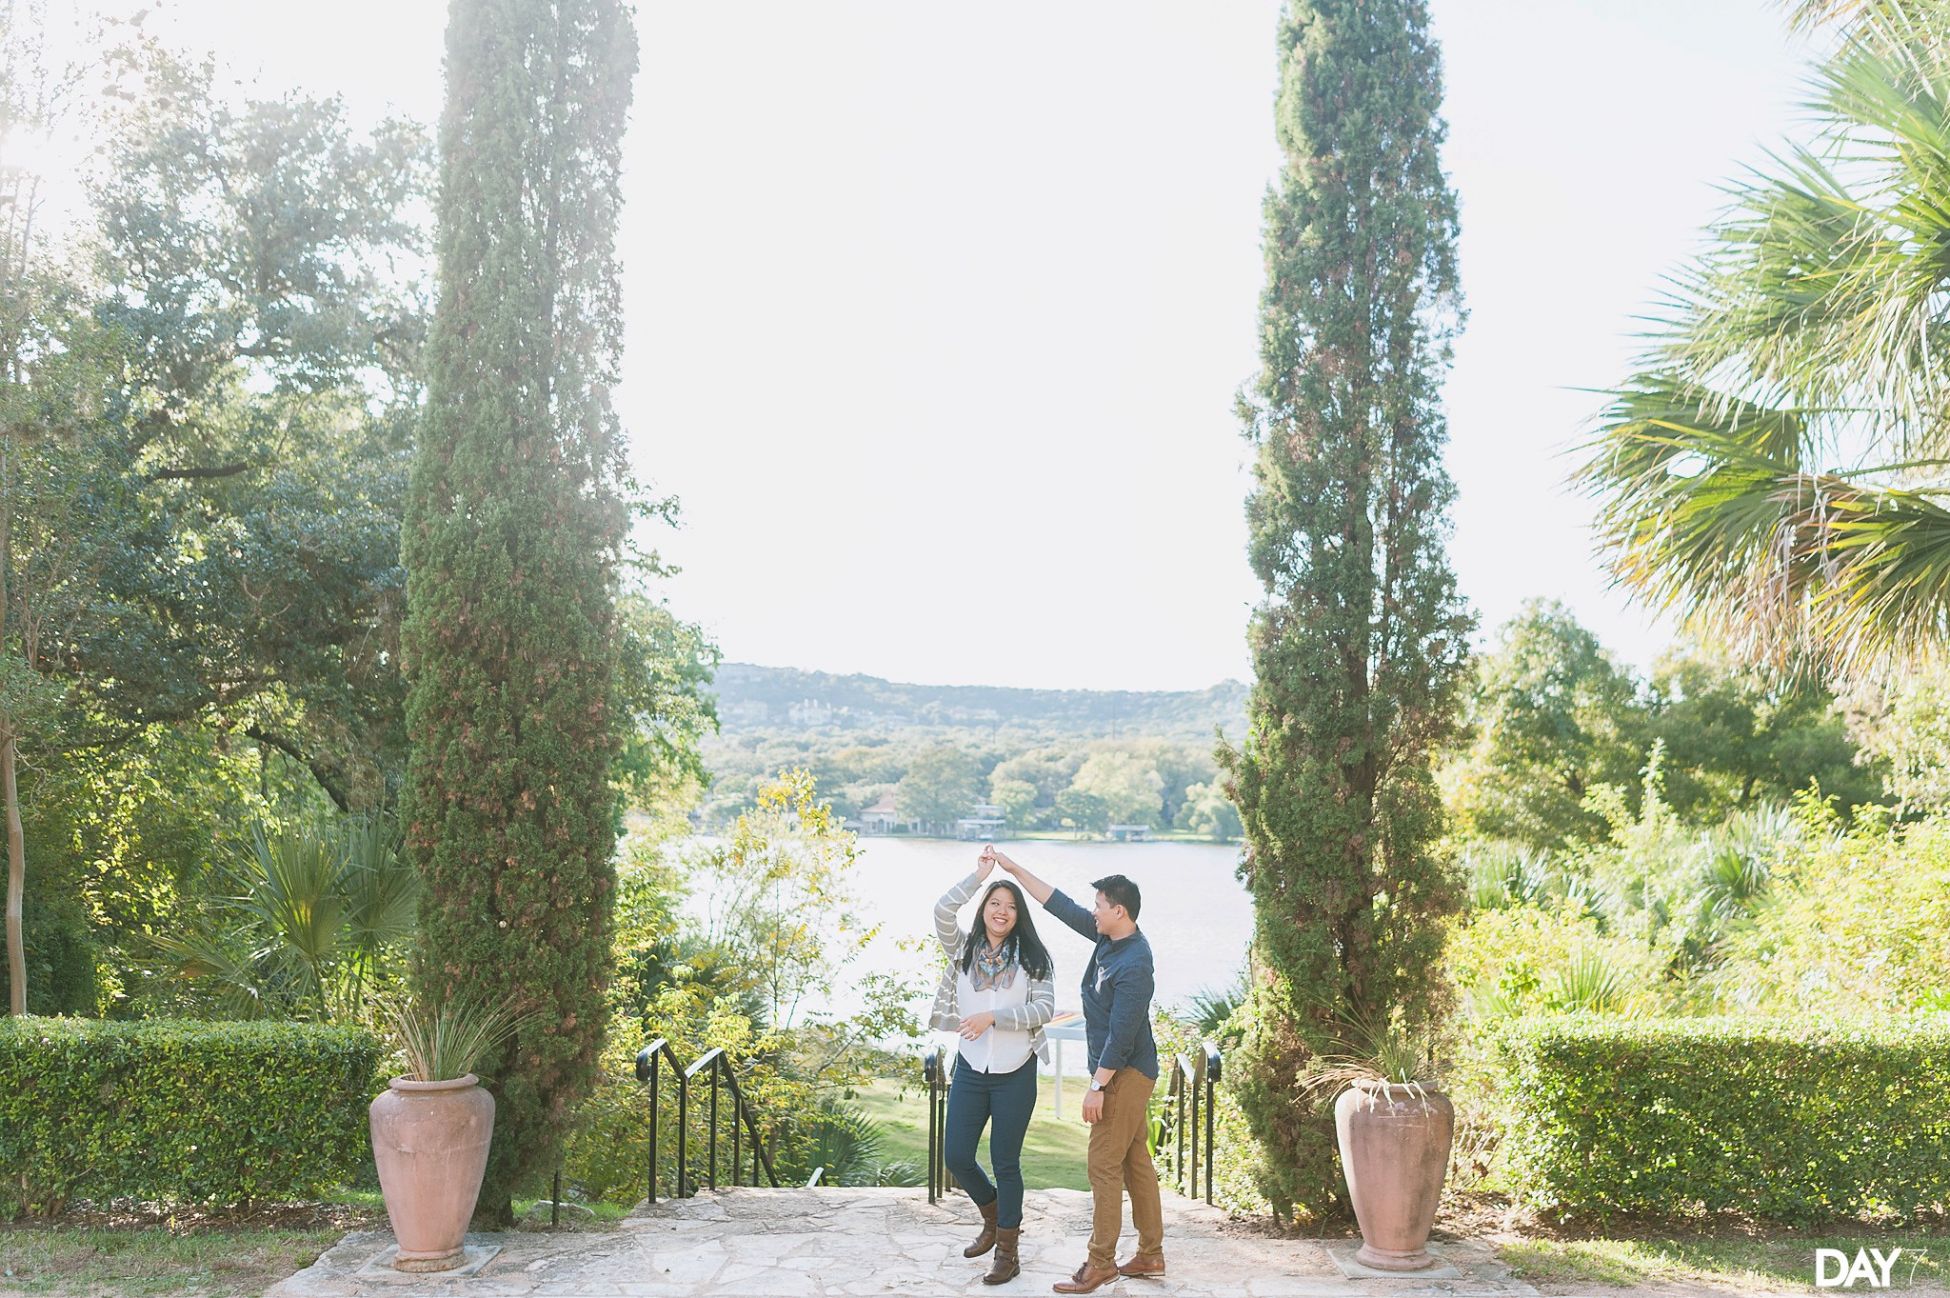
[936, 312]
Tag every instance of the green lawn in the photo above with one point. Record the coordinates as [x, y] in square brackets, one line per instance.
[97, 1255]
[1052, 1153]
[1736, 1262]
[85, 1260]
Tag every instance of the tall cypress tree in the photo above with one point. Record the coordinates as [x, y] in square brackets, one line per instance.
[514, 529]
[1359, 642]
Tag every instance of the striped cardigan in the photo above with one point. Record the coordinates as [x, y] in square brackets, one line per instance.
[946, 1016]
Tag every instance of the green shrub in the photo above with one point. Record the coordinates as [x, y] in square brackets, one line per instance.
[1236, 1152]
[1852, 922]
[1523, 959]
[179, 1112]
[1788, 1120]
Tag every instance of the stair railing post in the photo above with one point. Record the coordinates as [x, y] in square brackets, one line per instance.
[927, 1071]
[1192, 1084]
[1212, 1065]
[1178, 1124]
[683, 1134]
[715, 1063]
[647, 1072]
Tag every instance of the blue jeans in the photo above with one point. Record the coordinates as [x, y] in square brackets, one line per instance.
[974, 1098]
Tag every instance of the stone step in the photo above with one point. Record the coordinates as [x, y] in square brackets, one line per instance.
[832, 1241]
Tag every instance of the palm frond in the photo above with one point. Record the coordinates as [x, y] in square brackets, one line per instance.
[293, 885]
[1858, 15]
[1808, 343]
[1506, 874]
[1591, 984]
[1705, 509]
[1815, 13]
[847, 1142]
[231, 982]
[1210, 1009]
[381, 889]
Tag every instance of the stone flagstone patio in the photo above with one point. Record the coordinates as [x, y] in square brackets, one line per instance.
[789, 1243]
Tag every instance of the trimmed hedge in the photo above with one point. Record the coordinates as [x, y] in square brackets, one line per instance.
[1787, 1120]
[179, 1112]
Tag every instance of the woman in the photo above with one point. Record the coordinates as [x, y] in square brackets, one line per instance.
[996, 994]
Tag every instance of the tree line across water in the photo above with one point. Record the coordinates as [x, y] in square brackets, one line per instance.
[1550, 719]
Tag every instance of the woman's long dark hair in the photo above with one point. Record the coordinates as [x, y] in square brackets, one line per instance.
[1022, 945]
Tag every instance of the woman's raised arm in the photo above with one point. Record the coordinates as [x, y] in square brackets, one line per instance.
[946, 910]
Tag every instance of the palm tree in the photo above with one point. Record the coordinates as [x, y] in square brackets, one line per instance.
[1776, 471]
[304, 923]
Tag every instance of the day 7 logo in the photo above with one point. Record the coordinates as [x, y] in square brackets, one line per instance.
[1835, 1270]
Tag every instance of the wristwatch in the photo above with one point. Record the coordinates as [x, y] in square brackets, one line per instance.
[1096, 1085]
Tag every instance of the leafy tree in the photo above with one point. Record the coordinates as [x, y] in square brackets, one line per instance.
[58, 504]
[256, 262]
[1126, 783]
[192, 516]
[1209, 813]
[1082, 811]
[1774, 468]
[1018, 799]
[125, 836]
[663, 669]
[1046, 770]
[1049, 768]
[52, 545]
[1182, 767]
[1902, 724]
[777, 897]
[939, 787]
[1358, 645]
[1737, 737]
[1553, 717]
[515, 527]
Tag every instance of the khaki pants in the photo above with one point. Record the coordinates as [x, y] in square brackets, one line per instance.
[1119, 1161]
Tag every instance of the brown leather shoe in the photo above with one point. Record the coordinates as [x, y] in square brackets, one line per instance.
[1149, 1267]
[986, 1240]
[1088, 1279]
[1006, 1267]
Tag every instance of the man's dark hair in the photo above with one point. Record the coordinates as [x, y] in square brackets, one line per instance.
[1119, 891]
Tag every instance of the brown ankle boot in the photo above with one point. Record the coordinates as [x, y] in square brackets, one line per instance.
[986, 1240]
[1006, 1267]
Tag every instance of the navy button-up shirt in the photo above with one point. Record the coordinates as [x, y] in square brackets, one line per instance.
[1117, 986]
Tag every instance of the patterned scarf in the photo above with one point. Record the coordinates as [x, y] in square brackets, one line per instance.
[993, 967]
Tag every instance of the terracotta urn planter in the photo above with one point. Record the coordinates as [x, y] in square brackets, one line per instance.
[430, 1140]
[1395, 1153]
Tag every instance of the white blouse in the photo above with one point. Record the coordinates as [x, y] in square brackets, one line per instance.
[998, 1050]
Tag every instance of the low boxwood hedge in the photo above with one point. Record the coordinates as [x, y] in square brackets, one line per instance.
[179, 1112]
[1786, 1120]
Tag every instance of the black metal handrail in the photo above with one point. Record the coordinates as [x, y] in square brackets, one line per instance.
[649, 1061]
[934, 1068]
[1191, 1086]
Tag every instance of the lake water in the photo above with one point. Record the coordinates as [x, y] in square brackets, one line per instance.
[1195, 911]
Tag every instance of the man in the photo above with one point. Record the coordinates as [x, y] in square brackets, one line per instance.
[1123, 1060]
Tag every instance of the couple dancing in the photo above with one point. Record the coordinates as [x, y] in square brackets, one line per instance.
[996, 994]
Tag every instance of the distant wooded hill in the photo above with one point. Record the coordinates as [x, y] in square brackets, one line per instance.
[753, 698]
